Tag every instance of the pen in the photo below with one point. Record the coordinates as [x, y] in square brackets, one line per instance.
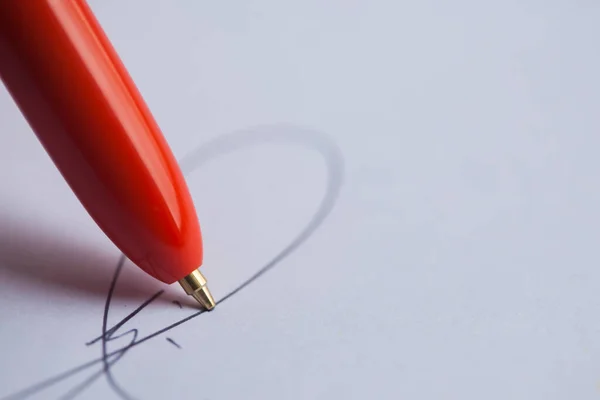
[69, 83]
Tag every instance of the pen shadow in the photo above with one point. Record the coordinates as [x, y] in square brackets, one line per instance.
[39, 258]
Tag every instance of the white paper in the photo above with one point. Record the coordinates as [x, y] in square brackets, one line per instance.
[449, 151]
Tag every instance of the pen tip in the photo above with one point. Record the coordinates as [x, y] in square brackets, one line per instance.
[204, 297]
[195, 285]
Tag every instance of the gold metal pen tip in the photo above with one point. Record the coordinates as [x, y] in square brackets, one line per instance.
[204, 297]
[195, 285]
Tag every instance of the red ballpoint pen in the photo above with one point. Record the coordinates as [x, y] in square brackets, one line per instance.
[68, 81]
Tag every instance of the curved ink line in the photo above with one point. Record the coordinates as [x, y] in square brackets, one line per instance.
[273, 134]
[222, 145]
[269, 134]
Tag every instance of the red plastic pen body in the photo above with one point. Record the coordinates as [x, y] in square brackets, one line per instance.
[76, 95]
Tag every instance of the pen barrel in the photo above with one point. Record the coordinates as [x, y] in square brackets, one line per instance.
[78, 98]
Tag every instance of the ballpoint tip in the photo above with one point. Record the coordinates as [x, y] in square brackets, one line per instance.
[204, 297]
[194, 285]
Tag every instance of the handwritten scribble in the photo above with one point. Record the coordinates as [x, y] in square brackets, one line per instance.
[174, 343]
[112, 330]
[224, 144]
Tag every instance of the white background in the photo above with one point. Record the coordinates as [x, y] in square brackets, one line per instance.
[460, 262]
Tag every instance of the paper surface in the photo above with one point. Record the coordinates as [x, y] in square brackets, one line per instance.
[434, 166]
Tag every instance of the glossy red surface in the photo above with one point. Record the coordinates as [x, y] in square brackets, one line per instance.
[77, 96]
